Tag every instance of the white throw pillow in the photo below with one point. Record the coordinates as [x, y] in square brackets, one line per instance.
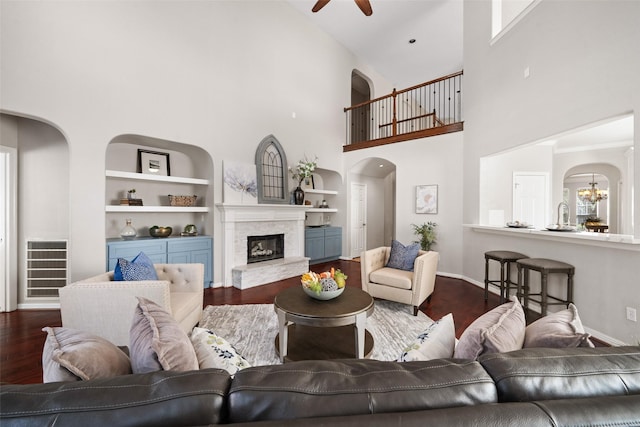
[436, 342]
[216, 352]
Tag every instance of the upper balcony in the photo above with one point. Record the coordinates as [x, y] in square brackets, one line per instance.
[427, 109]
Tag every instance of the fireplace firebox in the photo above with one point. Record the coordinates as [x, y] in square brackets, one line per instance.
[265, 248]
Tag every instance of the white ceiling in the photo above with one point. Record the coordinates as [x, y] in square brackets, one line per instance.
[382, 39]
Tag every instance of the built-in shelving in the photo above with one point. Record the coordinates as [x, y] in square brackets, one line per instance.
[315, 191]
[157, 178]
[322, 210]
[175, 209]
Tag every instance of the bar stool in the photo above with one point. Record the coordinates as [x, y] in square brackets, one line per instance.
[544, 267]
[505, 258]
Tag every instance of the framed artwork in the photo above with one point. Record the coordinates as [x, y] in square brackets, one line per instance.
[153, 162]
[240, 183]
[427, 199]
[308, 184]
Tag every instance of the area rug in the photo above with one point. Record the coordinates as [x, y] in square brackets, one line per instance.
[251, 329]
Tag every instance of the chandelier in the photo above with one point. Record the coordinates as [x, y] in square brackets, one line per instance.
[593, 194]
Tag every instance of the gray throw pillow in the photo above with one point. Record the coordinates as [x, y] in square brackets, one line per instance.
[557, 330]
[497, 331]
[156, 341]
[72, 355]
[402, 257]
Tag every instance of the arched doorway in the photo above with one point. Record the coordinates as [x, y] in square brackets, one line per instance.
[605, 177]
[361, 118]
[372, 204]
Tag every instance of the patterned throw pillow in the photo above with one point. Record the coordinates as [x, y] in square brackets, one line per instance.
[140, 268]
[436, 342]
[402, 257]
[214, 351]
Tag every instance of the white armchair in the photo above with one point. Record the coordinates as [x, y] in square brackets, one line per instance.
[105, 307]
[407, 287]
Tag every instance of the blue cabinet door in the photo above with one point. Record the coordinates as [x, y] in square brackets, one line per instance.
[314, 243]
[333, 243]
[193, 250]
[323, 244]
[155, 249]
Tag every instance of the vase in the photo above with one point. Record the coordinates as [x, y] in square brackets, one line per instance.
[298, 196]
[128, 232]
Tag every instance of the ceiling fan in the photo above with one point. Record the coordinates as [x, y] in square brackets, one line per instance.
[364, 6]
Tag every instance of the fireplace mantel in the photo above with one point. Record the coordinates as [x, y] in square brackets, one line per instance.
[261, 212]
[240, 221]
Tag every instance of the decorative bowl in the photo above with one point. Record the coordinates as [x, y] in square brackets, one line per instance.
[323, 295]
[156, 231]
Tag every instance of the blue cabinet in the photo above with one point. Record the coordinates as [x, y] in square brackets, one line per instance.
[322, 244]
[178, 250]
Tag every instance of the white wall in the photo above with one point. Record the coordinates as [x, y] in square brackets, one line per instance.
[434, 160]
[220, 75]
[583, 69]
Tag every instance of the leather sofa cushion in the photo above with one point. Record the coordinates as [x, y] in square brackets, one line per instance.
[605, 411]
[351, 387]
[553, 373]
[392, 277]
[156, 399]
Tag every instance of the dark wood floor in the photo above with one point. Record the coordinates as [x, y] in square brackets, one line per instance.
[22, 339]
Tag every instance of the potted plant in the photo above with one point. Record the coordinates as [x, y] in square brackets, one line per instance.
[427, 233]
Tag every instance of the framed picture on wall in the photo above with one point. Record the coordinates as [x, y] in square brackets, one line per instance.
[153, 162]
[308, 184]
[427, 199]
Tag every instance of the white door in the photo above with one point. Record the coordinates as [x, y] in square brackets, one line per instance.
[358, 219]
[3, 228]
[8, 250]
[530, 190]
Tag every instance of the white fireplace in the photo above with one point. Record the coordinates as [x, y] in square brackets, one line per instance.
[241, 221]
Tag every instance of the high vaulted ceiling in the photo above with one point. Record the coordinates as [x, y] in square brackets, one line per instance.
[382, 39]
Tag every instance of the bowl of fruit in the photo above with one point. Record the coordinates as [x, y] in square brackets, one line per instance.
[324, 286]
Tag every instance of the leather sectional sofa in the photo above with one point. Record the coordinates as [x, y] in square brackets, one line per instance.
[531, 387]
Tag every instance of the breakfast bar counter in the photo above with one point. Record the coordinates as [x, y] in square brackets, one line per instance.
[617, 241]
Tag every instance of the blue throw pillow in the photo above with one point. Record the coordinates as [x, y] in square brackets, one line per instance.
[140, 268]
[402, 257]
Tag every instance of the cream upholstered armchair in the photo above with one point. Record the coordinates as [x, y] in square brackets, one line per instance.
[105, 307]
[407, 287]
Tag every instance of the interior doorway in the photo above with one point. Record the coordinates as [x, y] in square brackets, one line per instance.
[8, 233]
[372, 195]
[530, 200]
[361, 118]
[358, 219]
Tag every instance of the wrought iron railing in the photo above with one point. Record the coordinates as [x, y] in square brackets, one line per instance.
[426, 109]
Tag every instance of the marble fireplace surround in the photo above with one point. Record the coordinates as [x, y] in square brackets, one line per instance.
[241, 221]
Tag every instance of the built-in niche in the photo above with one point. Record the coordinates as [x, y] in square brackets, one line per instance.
[191, 174]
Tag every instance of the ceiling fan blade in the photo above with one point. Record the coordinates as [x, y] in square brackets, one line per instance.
[319, 5]
[364, 6]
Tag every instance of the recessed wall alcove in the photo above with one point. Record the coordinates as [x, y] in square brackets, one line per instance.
[191, 173]
[42, 206]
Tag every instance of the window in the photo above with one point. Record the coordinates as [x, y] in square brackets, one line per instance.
[584, 209]
[271, 166]
[506, 13]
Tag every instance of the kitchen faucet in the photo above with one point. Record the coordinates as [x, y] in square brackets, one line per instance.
[560, 206]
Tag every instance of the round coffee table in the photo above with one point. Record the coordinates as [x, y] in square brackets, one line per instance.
[313, 329]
